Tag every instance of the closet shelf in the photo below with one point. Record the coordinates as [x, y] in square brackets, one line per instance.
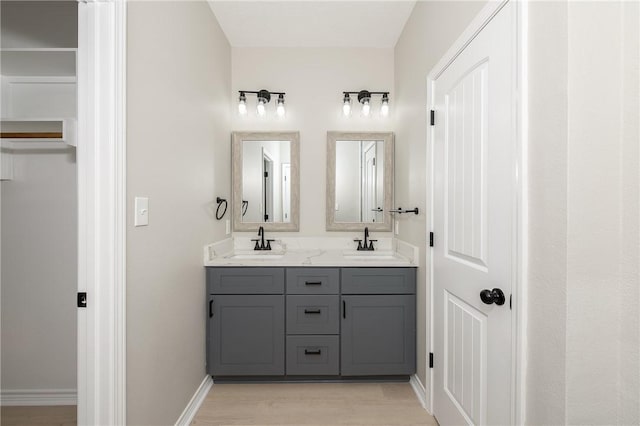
[37, 133]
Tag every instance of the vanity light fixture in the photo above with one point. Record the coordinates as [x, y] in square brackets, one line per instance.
[264, 97]
[364, 97]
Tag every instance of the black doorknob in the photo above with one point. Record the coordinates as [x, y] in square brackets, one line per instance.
[492, 296]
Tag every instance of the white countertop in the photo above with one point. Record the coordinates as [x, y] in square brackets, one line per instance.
[310, 252]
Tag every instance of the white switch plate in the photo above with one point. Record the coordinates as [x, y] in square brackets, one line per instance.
[141, 211]
[397, 227]
[228, 226]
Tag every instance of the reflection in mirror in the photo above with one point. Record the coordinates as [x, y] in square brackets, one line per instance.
[359, 181]
[265, 181]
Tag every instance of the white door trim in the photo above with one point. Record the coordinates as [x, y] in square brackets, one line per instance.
[519, 210]
[101, 211]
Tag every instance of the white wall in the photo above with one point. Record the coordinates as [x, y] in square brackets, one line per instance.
[313, 79]
[548, 154]
[432, 27]
[178, 155]
[603, 214]
[584, 301]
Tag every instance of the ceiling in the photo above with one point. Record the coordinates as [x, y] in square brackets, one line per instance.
[312, 23]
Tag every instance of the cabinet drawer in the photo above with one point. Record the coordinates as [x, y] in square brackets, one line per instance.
[245, 280]
[317, 314]
[312, 355]
[312, 281]
[378, 281]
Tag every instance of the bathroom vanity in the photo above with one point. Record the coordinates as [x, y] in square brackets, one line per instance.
[310, 322]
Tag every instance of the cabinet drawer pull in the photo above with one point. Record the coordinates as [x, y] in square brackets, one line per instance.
[312, 351]
[210, 308]
[313, 283]
[312, 311]
[344, 309]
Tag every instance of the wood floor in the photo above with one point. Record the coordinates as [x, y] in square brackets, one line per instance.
[313, 404]
[55, 415]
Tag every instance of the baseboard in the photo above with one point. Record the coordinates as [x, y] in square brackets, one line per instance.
[13, 397]
[197, 399]
[420, 391]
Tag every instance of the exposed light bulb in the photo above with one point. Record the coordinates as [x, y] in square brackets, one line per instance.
[242, 104]
[261, 107]
[366, 108]
[384, 108]
[280, 108]
[346, 106]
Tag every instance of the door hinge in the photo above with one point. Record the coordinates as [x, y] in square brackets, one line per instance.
[430, 239]
[266, 174]
[433, 118]
[82, 299]
[430, 359]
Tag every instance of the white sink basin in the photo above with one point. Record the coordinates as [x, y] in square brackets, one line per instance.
[370, 255]
[256, 256]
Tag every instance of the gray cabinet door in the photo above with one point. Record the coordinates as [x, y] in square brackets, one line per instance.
[378, 335]
[246, 335]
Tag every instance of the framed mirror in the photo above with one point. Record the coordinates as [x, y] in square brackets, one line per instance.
[266, 181]
[359, 181]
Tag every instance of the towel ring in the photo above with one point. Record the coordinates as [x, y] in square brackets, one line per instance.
[220, 202]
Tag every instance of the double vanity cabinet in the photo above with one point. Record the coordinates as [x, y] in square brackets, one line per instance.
[305, 323]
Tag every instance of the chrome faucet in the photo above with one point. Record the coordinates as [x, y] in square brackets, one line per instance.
[260, 242]
[367, 245]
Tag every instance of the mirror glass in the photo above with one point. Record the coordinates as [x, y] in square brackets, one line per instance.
[265, 180]
[359, 180]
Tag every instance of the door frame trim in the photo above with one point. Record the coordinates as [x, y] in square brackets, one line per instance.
[520, 216]
[101, 153]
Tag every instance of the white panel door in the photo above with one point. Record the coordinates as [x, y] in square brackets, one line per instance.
[474, 199]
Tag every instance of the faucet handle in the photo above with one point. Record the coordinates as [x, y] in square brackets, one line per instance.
[359, 241]
[268, 247]
[257, 246]
[371, 245]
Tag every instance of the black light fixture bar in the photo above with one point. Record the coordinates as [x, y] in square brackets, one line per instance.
[364, 97]
[258, 92]
[365, 91]
[264, 97]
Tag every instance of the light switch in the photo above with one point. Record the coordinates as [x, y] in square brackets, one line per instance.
[141, 211]
[227, 226]
[397, 227]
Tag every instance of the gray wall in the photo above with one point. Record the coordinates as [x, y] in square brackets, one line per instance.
[178, 151]
[326, 72]
[39, 279]
[39, 218]
[432, 27]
